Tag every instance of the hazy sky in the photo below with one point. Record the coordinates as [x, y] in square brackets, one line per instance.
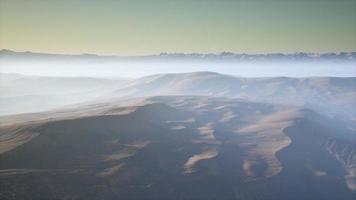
[137, 27]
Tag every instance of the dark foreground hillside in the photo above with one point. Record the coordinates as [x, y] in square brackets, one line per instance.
[180, 148]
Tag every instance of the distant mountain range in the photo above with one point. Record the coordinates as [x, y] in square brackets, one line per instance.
[344, 56]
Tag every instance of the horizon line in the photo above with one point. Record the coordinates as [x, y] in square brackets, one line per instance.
[180, 53]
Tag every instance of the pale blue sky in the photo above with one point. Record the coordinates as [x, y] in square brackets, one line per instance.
[140, 27]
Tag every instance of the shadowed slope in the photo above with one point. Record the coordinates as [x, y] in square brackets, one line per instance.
[222, 149]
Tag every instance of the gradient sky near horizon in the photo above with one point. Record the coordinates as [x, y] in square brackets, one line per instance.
[141, 27]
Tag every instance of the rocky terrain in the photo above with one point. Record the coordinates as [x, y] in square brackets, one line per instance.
[181, 147]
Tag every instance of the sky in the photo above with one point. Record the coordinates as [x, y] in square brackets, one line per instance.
[143, 27]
